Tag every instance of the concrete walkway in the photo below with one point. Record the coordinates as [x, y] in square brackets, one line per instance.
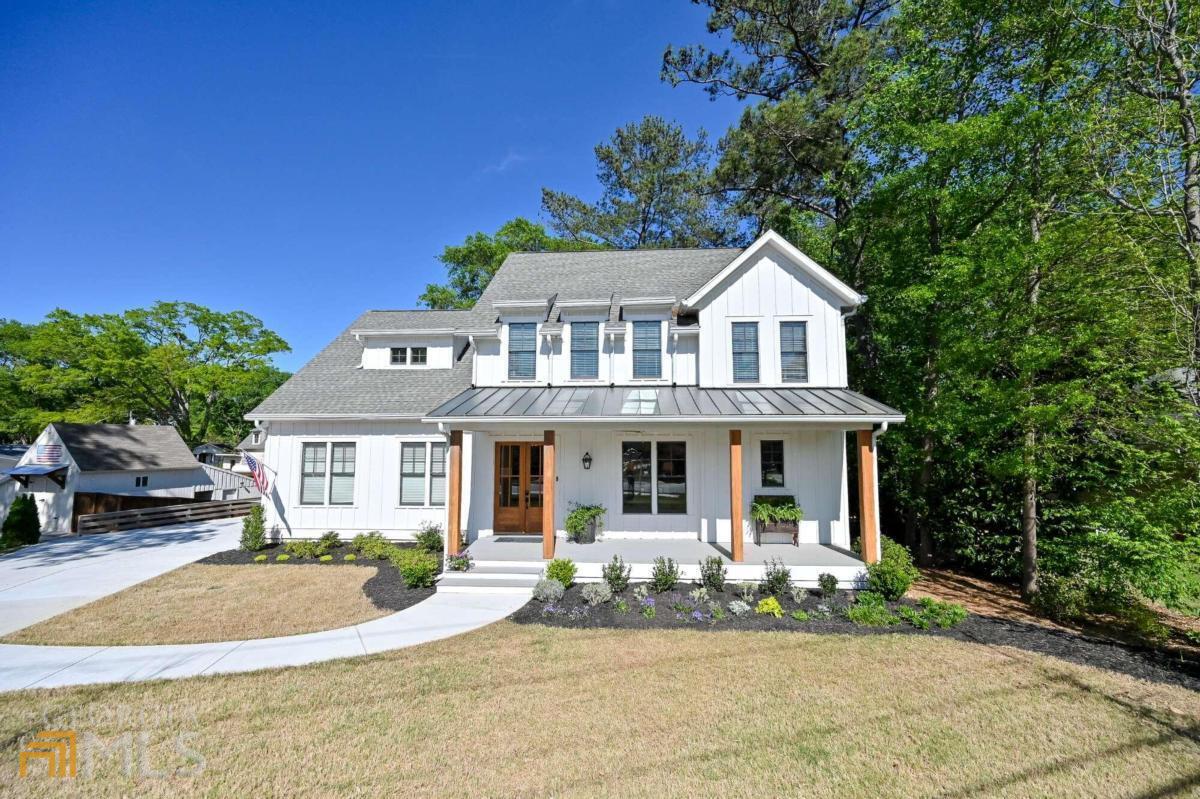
[65, 572]
[440, 616]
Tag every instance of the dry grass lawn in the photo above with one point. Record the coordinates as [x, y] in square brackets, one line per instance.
[203, 602]
[514, 710]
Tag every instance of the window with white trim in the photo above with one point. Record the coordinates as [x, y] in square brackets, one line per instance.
[745, 352]
[418, 356]
[141, 481]
[654, 477]
[522, 350]
[399, 356]
[312, 474]
[408, 356]
[585, 350]
[341, 474]
[437, 473]
[647, 350]
[423, 473]
[793, 351]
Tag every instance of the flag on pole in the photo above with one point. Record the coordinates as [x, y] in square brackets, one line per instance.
[258, 472]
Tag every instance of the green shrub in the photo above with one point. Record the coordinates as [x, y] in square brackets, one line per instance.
[828, 584]
[548, 591]
[325, 558]
[664, 576]
[328, 541]
[768, 510]
[254, 530]
[739, 608]
[616, 574]
[283, 558]
[349, 557]
[712, 573]
[894, 572]
[372, 545]
[416, 566]
[776, 578]
[942, 614]
[800, 615]
[260, 558]
[913, 617]
[1060, 598]
[621, 606]
[769, 607]
[429, 537]
[717, 612]
[22, 526]
[870, 610]
[563, 570]
[596, 593]
[303, 549]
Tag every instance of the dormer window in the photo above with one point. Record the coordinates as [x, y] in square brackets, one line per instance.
[408, 356]
[522, 350]
[418, 356]
[647, 350]
[585, 350]
[399, 356]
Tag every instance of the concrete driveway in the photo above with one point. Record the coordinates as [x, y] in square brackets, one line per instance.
[49, 578]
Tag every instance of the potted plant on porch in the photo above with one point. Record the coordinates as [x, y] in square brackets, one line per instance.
[776, 517]
[583, 522]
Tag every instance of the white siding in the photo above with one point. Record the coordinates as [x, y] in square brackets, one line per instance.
[377, 351]
[182, 483]
[54, 502]
[769, 291]
[376, 504]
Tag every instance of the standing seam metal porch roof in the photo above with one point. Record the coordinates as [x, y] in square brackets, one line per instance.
[662, 402]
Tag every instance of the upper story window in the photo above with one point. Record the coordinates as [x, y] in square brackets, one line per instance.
[585, 350]
[522, 350]
[399, 356]
[417, 356]
[745, 352]
[409, 356]
[647, 350]
[793, 351]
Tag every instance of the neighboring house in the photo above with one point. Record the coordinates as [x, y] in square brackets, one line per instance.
[217, 455]
[255, 443]
[671, 386]
[11, 453]
[86, 468]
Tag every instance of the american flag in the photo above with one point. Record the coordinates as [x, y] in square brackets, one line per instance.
[258, 472]
[48, 453]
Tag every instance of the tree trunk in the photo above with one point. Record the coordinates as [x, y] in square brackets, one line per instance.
[1029, 494]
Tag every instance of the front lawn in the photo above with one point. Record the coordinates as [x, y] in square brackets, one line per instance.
[530, 710]
[206, 602]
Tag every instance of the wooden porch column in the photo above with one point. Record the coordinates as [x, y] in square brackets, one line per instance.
[548, 479]
[454, 507]
[868, 515]
[735, 496]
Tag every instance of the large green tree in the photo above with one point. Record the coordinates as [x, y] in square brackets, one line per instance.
[174, 363]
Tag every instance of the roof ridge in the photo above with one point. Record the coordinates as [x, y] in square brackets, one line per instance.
[619, 250]
[414, 310]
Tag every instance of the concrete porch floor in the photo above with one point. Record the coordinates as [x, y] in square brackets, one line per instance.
[806, 561]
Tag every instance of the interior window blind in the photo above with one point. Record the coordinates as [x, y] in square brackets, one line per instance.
[745, 352]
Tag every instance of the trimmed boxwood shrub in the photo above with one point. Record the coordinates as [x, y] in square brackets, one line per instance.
[371, 545]
[22, 525]
[416, 566]
[563, 570]
[894, 572]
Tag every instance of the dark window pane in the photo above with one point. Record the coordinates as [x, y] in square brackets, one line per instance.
[585, 350]
[635, 477]
[418, 355]
[647, 350]
[772, 464]
[745, 352]
[399, 355]
[312, 475]
[672, 477]
[793, 351]
[522, 351]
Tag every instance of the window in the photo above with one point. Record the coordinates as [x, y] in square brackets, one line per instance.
[672, 477]
[635, 476]
[585, 350]
[771, 464]
[312, 475]
[522, 351]
[341, 480]
[399, 356]
[417, 356]
[745, 352]
[647, 350]
[793, 351]
[412, 473]
[437, 473]
[256, 437]
[653, 477]
[141, 481]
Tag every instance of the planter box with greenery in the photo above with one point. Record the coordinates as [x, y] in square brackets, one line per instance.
[583, 522]
[776, 518]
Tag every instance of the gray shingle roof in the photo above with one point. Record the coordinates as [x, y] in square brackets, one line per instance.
[334, 384]
[118, 447]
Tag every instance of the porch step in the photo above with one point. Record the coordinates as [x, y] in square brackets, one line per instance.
[491, 580]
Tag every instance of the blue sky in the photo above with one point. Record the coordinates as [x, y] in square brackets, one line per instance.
[302, 161]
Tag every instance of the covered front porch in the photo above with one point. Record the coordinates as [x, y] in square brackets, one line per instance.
[806, 561]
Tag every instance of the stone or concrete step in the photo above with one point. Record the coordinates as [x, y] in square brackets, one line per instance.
[508, 579]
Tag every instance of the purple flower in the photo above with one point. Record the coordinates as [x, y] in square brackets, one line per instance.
[648, 602]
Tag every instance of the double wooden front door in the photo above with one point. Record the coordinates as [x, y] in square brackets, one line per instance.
[518, 497]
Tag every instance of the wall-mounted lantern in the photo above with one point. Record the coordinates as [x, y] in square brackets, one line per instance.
[587, 460]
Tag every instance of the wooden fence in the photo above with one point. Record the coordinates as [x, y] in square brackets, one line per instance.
[156, 517]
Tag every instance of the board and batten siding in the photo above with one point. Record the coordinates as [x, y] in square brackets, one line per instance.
[182, 483]
[814, 466]
[376, 504]
[770, 291]
[377, 351]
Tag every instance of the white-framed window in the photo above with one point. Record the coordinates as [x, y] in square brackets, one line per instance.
[793, 352]
[327, 472]
[418, 356]
[744, 337]
[408, 356]
[522, 350]
[423, 473]
[654, 477]
[399, 356]
[585, 350]
[647, 350]
[141, 481]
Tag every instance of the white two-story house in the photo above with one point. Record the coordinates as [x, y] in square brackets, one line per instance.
[670, 386]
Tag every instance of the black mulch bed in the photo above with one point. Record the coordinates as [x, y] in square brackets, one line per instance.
[386, 589]
[571, 611]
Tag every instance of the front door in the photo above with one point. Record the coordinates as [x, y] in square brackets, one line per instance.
[518, 504]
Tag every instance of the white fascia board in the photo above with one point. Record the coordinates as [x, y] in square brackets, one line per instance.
[550, 421]
[584, 305]
[521, 305]
[483, 332]
[824, 276]
[429, 331]
[300, 417]
[647, 302]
